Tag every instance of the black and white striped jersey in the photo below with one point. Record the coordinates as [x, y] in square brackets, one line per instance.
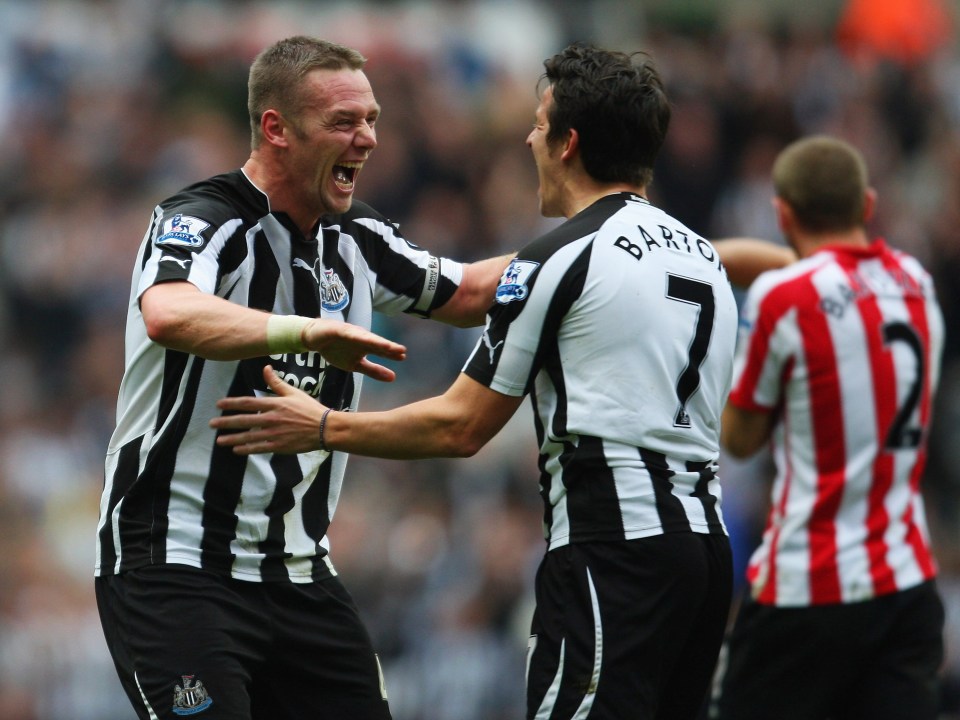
[171, 495]
[621, 324]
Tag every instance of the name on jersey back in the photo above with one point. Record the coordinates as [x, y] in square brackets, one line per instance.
[669, 239]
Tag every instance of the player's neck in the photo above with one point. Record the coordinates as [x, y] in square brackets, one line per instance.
[581, 197]
[271, 181]
[808, 243]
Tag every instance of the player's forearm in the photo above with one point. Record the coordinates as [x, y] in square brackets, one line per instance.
[203, 324]
[468, 306]
[425, 429]
[745, 258]
[744, 432]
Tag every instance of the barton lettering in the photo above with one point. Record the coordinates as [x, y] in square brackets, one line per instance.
[632, 248]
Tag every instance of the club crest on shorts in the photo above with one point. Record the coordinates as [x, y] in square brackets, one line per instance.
[513, 283]
[191, 698]
[182, 230]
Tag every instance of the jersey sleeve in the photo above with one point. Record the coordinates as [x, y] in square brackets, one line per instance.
[408, 278]
[759, 365]
[185, 241]
[530, 302]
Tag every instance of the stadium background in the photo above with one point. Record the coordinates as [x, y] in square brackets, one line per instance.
[108, 105]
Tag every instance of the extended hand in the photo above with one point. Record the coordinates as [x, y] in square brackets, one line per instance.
[287, 423]
[346, 346]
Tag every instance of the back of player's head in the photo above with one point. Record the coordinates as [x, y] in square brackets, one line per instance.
[277, 73]
[616, 103]
[825, 181]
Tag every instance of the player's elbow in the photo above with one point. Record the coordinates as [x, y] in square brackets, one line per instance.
[463, 310]
[470, 447]
[738, 446]
[161, 324]
[462, 440]
[463, 444]
[744, 433]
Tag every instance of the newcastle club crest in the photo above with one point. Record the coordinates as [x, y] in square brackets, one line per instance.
[191, 698]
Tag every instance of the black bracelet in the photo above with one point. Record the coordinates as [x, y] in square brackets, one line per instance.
[323, 425]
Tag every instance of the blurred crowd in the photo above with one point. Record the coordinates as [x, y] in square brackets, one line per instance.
[107, 106]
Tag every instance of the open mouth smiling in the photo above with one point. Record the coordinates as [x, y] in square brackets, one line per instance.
[344, 174]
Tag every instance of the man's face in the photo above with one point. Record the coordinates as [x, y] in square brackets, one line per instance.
[546, 158]
[331, 138]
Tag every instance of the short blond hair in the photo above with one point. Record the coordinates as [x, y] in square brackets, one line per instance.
[277, 73]
[824, 180]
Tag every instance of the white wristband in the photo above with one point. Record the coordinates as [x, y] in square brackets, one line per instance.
[285, 333]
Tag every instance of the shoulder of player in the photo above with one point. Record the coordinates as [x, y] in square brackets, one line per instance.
[217, 199]
[777, 290]
[359, 212]
[576, 229]
[907, 262]
[362, 220]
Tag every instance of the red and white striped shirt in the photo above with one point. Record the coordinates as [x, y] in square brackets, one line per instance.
[845, 346]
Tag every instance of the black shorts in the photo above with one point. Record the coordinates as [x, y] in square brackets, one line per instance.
[871, 660]
[628, 629]
[187, 642]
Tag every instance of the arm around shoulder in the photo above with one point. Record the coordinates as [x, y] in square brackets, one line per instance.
[469, 304]
[746, 257]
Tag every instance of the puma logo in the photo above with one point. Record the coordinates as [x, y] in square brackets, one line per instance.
[491, 348]
[297, 262]
[182, 262]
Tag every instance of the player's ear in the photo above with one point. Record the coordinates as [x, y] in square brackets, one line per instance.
[571, 145]
[785, 216]
[869, 204]
[272, 126]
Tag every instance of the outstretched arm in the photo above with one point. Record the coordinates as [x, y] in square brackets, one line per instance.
[745, 257]
[179, 316]
[455, 424]
[469, 304]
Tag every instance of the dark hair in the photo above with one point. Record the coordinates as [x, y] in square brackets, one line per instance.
[277, 73]
[824, 180]
[616, 103]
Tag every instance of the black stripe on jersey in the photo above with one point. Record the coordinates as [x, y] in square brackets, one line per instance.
[125, 474]
[405, 278]
[316, 514]
[705, 470]
[669, 508]
[266, 274]
[221, 496]
[149, 247]
[306, 289]
[234, 252]
[288, 475]
[334, 261]
[546, 479]
[548, 353]
[143, 520]
[593, 508]
[174, 366]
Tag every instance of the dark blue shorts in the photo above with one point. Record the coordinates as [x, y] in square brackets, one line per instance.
[871, 660]
[628, 629]
[189, 643]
